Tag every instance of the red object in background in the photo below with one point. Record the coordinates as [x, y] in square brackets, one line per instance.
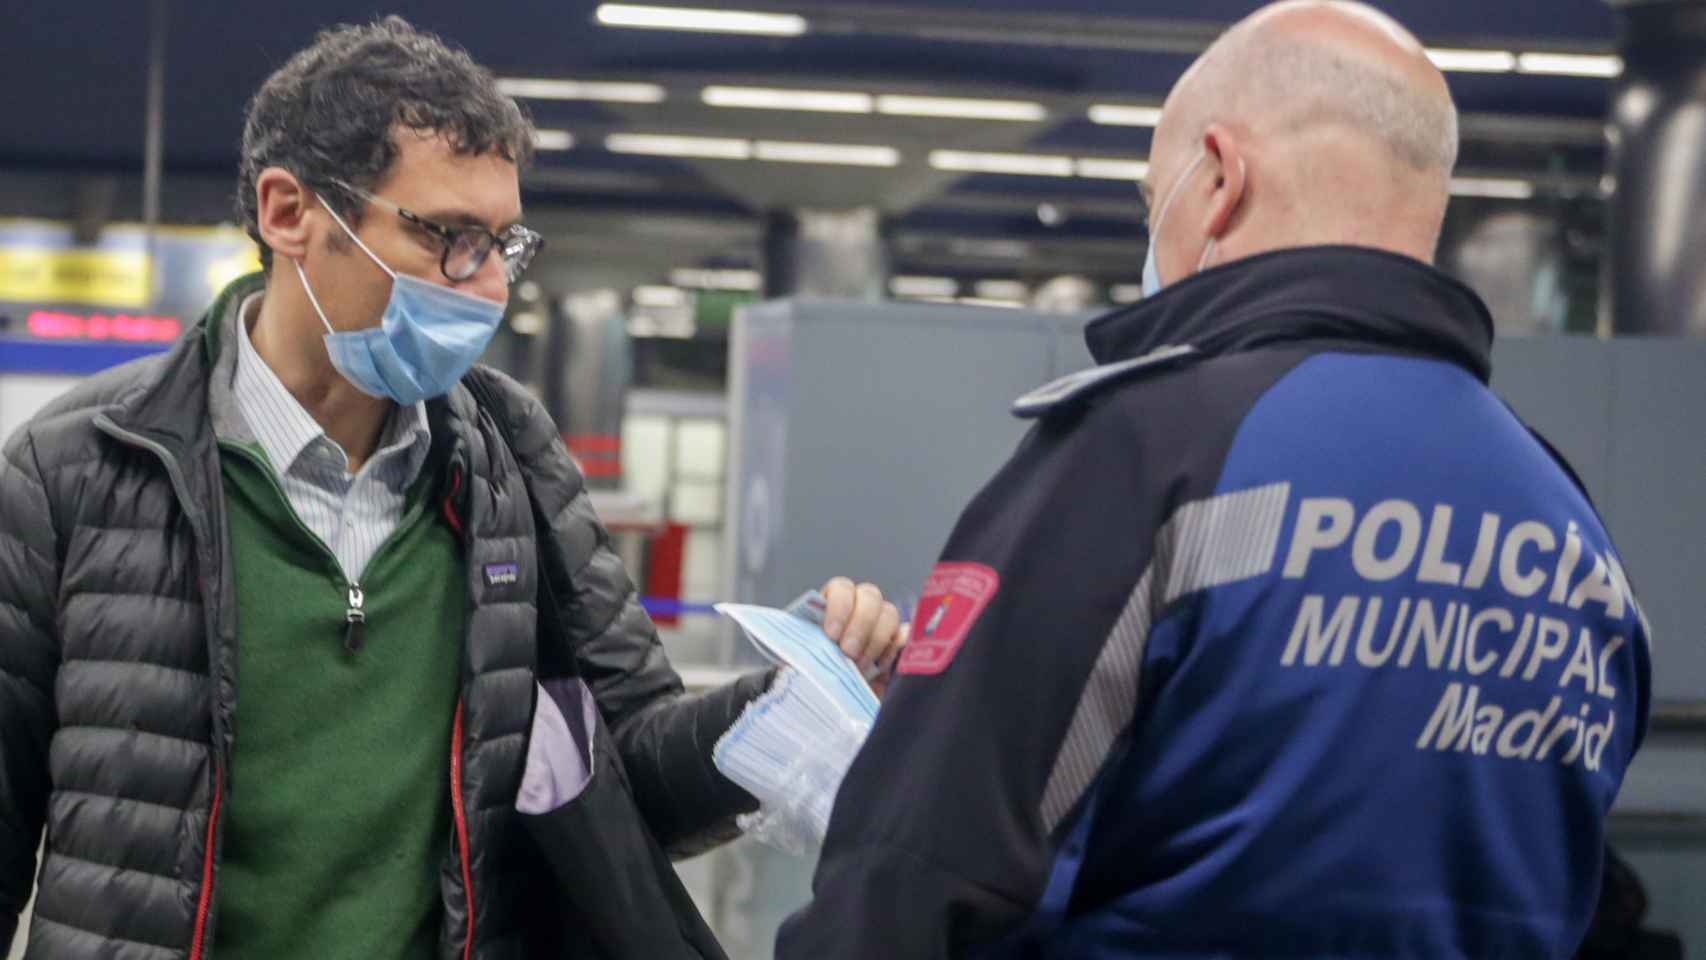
[134, 328]
[597, 454]
[663, 568]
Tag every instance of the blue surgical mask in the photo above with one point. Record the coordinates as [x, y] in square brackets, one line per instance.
[426, 340]
[1152, 272]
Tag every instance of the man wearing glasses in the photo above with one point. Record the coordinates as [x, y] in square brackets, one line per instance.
[275, 606]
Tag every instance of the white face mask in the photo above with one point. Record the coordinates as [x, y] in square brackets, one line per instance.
[1151, 271]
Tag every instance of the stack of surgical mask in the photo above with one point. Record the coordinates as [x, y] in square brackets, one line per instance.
[791, 747]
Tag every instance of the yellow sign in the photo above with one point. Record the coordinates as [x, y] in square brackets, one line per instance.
[221, 272]
[102, 278]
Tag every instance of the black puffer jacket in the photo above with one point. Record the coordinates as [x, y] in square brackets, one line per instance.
[120, 666]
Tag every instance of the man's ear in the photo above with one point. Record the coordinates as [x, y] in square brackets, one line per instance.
[1231, 178]
[281, 207]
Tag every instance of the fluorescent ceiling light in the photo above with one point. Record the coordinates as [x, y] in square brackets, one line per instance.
[1118, 115]
[698, 19]
[765, 98]
[932, 287]
[581, 90]
[1570, 64]
[834, 153]
[776, 151]
[1473, 61]
[1125, 292]
[717, 279]
[1010, 290]
[661, 145]
[553, 139]
[962, 108]
[1497, 188]
[990, 302]
[660, 297]
[1095, 168]
[1020, 164]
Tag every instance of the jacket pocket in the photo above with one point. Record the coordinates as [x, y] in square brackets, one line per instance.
[619, 889]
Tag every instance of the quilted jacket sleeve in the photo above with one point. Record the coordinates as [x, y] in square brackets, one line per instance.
[28, 573]
[664, 735]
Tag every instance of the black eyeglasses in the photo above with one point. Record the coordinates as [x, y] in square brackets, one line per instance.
[467, 247]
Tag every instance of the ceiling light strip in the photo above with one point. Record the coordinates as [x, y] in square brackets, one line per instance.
[961, 108]
[841, 154]
[530, 88]
[1018, 164]
[664, 145]
[767, 98]
[646, 17]
[1124, 115]
[1492, 187]
[553, 140]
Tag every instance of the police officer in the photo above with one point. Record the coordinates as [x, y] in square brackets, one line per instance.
[1279, 635]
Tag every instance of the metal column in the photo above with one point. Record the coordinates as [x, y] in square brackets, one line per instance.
[1658, 135]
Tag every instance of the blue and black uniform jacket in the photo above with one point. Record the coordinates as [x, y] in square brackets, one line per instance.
[1279, 635]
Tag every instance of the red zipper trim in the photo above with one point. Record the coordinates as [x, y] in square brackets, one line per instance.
[450, 516]
[461, 827]
[206, 876]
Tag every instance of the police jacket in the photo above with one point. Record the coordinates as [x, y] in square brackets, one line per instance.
[119, 672]
[1279, 635]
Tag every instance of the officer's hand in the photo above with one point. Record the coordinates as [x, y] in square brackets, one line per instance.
[866, 627]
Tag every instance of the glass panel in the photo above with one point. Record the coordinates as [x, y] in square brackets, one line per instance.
[702, 567]
[697, 502]
[645, 456]
[701, 449]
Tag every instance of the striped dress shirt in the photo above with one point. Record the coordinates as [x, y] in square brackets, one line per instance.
[352, 514]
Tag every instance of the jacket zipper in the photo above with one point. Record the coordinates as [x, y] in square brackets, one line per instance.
[206, 879]
[355, 598]
[174, 473]
[461, 826]
[355, 619]
[450, 516]
[458, 811]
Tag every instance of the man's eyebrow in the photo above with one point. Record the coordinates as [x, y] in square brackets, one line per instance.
[465, 218]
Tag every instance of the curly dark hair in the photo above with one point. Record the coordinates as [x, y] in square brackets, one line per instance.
[332, 110]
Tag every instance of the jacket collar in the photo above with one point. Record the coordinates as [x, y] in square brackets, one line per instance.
[1344, 293]
[171, 406]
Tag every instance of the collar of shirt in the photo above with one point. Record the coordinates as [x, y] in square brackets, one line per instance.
[286, 431]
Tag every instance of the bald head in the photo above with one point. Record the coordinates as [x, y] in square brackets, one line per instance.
[1341, 129]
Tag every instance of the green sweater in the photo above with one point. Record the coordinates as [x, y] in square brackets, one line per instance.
[338, 816]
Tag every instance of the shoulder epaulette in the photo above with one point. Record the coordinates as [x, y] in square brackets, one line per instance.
[1076, 386]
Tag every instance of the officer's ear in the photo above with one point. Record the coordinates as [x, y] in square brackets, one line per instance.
[1231, 179]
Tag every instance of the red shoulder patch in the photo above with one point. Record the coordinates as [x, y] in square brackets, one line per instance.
[954, 595]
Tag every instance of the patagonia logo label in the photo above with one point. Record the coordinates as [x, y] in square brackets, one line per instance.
[502, 574]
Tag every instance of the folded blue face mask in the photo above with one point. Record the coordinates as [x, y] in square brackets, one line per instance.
[426, 340]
